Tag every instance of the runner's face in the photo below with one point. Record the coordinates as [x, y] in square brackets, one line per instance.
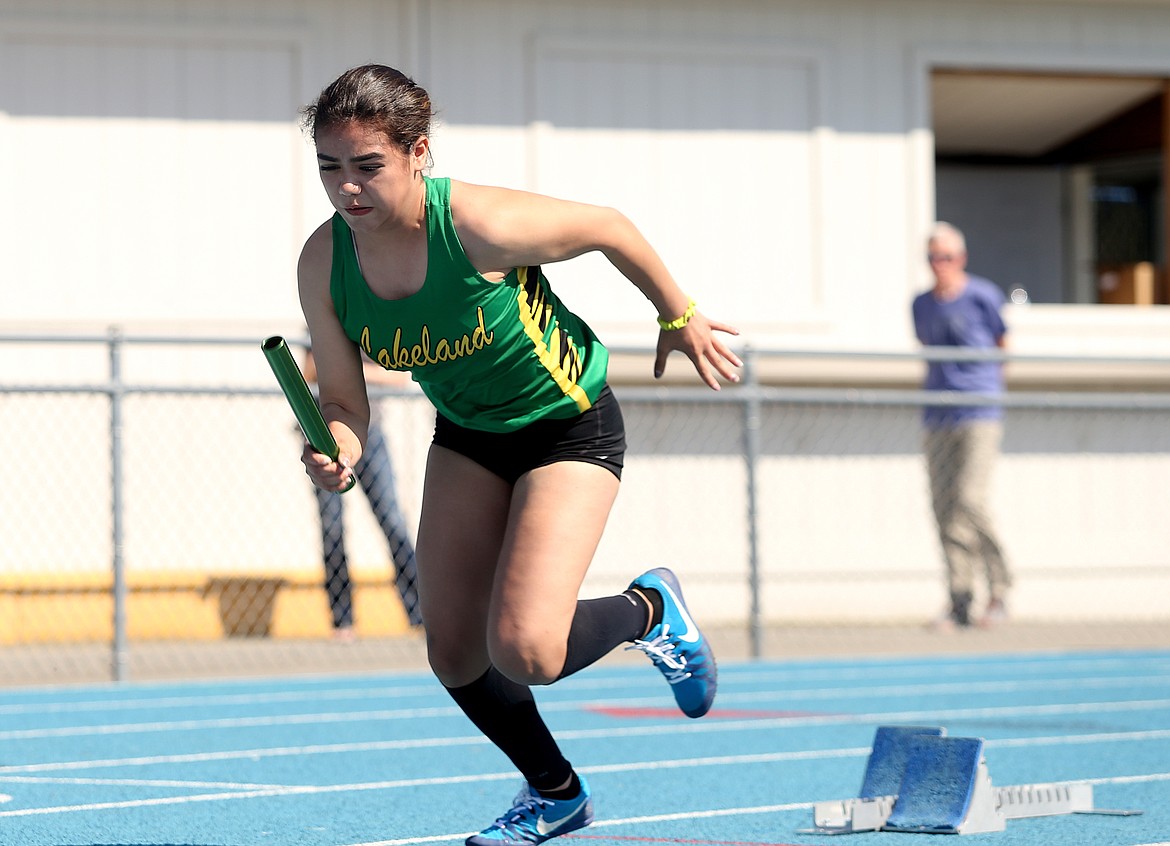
[369, 180]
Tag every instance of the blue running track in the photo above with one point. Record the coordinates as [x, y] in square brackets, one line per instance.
[387, 760]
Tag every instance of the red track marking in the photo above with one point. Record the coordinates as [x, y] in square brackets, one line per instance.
[722, 714]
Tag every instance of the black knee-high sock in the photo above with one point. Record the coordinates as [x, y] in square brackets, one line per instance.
[600, 625]
[506, 713]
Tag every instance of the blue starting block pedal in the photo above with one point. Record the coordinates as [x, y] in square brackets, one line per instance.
[887, 762]
[918, 779]
[946, 789]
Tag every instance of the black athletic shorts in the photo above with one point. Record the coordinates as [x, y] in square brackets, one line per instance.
[597, 436]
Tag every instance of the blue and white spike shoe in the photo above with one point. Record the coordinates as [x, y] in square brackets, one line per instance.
[533, 819]
[677, 647]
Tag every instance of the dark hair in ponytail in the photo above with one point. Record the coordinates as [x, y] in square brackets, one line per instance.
[375, 95]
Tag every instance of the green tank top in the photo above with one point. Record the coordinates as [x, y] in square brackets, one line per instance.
[492, 356]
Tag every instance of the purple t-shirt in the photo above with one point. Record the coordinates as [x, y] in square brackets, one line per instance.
[972, 319]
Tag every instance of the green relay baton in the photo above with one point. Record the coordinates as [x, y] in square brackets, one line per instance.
[300, 399]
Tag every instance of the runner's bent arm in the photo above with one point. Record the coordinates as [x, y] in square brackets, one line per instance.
[344, 403]
[501, 229]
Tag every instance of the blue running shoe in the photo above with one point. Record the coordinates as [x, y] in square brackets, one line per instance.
[677, 647]
[534, 819]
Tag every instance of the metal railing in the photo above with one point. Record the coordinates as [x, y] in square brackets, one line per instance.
[751, 443]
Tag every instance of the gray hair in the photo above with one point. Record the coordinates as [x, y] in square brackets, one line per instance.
[942, 229]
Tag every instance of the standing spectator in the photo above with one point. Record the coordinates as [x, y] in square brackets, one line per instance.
[962, 442]
[375, 474]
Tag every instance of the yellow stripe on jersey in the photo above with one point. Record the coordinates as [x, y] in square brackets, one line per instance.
[560, 356]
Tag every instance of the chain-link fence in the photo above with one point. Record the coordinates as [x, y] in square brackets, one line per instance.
[156, 500]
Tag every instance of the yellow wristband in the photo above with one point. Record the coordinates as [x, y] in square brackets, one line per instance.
[678, 322]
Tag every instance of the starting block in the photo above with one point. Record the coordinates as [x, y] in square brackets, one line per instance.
[917, 779]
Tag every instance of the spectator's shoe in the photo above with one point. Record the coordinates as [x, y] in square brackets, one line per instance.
[995, 614]
[677, 647]
[958, 616]
[534, 819]
[961, 608]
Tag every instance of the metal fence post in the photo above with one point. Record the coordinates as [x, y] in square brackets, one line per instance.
[119, 649]
[751, 453]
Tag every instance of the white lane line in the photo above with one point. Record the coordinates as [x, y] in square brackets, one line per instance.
[678, 815]
[927, 689]
[245, 754]
[436, 838]
[230, 722]
[768, 757]
[290, 790]
[138, 782]
[147, 703]
[641, 766]
[250, 791]
[708, 727]
[459, 837]
[1079, 739]
[603, 678]
[385, 715]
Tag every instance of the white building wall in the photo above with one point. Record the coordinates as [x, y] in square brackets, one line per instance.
[775, 153]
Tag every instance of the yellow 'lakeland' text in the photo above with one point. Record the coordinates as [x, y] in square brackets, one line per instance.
[422, 354]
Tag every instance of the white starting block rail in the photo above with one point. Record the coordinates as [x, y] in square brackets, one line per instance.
[931, 783]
